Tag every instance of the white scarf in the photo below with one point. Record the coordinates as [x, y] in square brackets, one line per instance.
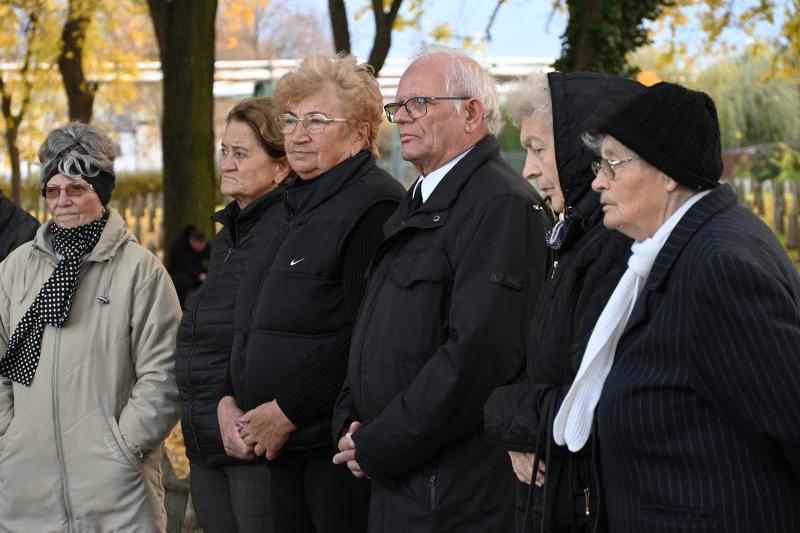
[573, 422]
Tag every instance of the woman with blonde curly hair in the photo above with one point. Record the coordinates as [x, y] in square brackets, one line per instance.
[295, 308]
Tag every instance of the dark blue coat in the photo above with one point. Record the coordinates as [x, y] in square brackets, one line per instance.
[698, 423]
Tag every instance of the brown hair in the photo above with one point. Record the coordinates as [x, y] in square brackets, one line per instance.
[259, 114]
[355, 84]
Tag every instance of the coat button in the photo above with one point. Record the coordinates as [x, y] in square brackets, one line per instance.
[436, 218]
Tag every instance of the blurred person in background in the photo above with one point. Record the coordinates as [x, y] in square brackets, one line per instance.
[87, 332]
[187, 262]
[295, 308]
[553, 111]
[229, 494]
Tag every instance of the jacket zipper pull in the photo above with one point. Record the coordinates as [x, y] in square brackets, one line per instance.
[432, 484]
[587, 498]
[553, 272]
[230, 251]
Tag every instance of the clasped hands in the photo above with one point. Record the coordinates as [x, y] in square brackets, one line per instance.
[261, 431]
[522, 463]
[347, 451]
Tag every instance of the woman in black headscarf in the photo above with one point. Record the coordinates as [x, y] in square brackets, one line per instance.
[554, 111]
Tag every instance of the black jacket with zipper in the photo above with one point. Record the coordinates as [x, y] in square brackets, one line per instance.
[206, 330]
[442, 323]
[586, 270]
[289, 310]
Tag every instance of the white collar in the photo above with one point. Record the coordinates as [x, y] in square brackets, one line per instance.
[428, 183]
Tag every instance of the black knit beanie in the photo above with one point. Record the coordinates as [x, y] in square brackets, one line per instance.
[674, 129]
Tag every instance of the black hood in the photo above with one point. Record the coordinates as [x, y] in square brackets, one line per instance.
[580, 101]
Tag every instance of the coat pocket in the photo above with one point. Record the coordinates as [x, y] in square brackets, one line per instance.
[429, 265]
[120, 449]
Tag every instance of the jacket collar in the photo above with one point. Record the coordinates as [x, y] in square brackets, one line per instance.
[232, 215]
[434, 211]
[303, 196]
[718, 200]
[114, 235]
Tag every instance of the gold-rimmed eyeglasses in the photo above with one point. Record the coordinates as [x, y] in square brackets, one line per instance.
[313, 122]
[608, 165]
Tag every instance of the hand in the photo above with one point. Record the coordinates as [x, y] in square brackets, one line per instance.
[267, 428]
[522, 463]
[228, 414]
[347, 452]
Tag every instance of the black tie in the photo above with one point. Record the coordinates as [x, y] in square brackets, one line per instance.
[416, 201]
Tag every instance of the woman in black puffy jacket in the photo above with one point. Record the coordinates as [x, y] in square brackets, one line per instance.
[554, 111]
[229, 494]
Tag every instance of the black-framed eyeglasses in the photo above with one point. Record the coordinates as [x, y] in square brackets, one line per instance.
[416, 107]
[72, 189]
[608, 165]
[313, 122]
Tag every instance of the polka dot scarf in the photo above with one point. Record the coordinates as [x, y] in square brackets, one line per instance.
[51, 305]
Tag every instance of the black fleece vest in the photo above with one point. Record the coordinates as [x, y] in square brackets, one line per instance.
[290, 309]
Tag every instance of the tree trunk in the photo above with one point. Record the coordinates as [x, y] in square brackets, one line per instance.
[384, 23]
[80, 91]
[13, 154]
[185, 33]
[591, 11]
[339, 25]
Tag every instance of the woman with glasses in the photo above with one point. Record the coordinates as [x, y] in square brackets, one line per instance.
[297, 303]
[691, 374]
[553, 111]
[87, 336]
[230, 494]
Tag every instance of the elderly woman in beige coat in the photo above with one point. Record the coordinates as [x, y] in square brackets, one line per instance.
[87, 334]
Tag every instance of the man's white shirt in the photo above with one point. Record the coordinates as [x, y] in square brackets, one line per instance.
[428, 183]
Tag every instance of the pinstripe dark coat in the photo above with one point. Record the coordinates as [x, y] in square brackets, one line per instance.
[699, 420]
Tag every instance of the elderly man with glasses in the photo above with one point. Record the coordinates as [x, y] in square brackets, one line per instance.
[444, 317]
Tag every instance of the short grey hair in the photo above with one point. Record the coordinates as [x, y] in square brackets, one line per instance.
[594, 142]
[76, 150]
[466, 77]
[531, 98]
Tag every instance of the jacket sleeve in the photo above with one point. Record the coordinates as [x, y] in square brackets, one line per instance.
[513, 413]
[746, 364]
[6, 387]
[495, 286]
[152, 408]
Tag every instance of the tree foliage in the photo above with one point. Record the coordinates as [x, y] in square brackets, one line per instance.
[600, 33]
[27, 47]
[753, 107]
[269, 29]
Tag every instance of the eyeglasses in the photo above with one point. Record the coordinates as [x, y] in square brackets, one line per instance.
[608, 165]
[416, 107]
[313, 123]
[72, 189]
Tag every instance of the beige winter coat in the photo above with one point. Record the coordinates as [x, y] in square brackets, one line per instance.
[80, 449]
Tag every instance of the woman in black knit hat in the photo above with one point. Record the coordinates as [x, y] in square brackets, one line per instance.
[696, 421]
